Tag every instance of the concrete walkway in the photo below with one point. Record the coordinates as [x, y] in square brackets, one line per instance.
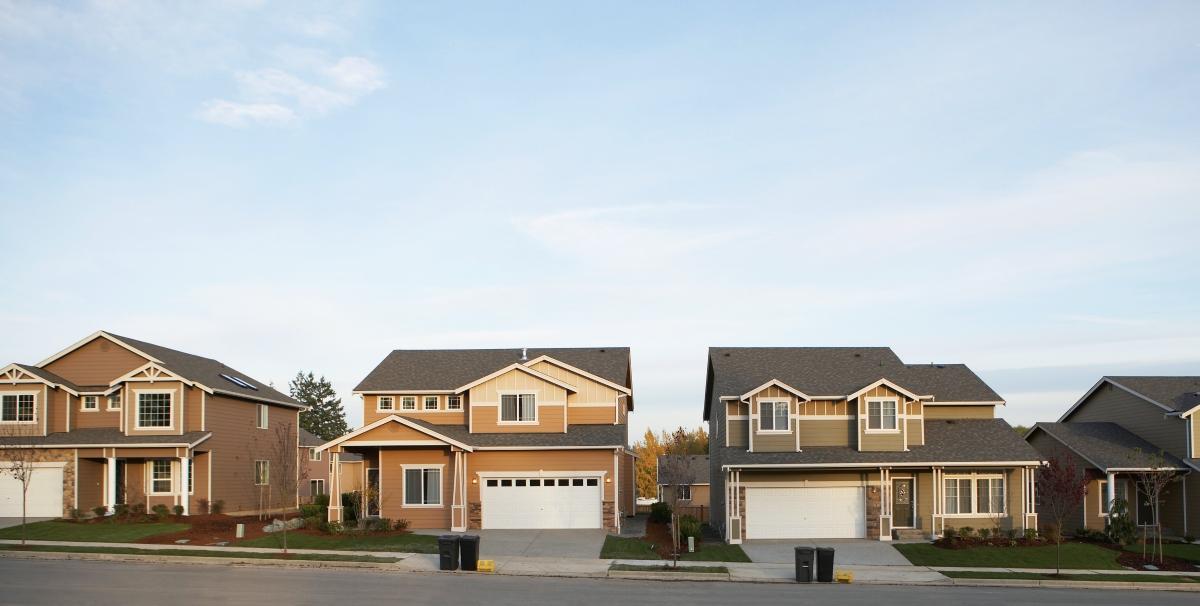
[583, 543]
[848, 552]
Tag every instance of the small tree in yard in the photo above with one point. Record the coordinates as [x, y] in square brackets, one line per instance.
[1152, 481]
[286, 479]
[1061, 488]
[21, 456]
[677, 470]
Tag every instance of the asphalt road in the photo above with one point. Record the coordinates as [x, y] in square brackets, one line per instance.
[93, 582]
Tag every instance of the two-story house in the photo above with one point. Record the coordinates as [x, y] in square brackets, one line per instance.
[851, 442]
[115, 420]
[494, 438]
[1121, 427]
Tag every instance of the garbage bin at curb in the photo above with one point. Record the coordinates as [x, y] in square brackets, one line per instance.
[448, 552]
[805, 559]
[825, 564]
[469, 552]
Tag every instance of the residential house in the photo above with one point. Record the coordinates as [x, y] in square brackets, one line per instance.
[313, 465]
[1123, 426]
[495, 438]
[851, 442]
[683, 484]
[117, 420]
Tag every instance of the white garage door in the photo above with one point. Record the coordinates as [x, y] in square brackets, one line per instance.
[806, 513]
[524, 502]
[44, 498]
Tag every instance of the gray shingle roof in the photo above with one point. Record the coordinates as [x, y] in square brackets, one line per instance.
[49, 376]
[208, 372]
[576, 435]
[949, 441]
[105, 437]
[308, 439]
[836, 371]
[695, 472]
[1180, 394]
[440, 369]
[1106, 445]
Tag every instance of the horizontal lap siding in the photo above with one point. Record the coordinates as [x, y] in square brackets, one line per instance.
[90, 484]
[96, 363]
[591, 415]
[194, 408]
[485, 400]
[236, 443]
[887, 442]
[39, 392]
[178, 403]
[773, 442]
[550, 420]
[1148, 421]
[391, 491]
[826, 433]
[441, 416]
[392, 431]
[960, 412]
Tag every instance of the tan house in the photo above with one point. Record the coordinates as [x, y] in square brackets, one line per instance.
[851, 442]
[116, 420]
[494, 438]
[314, 467]
[683, 484]
[1124, 425]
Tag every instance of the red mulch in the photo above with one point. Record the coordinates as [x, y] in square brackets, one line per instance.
[659, 535]
[212, 528]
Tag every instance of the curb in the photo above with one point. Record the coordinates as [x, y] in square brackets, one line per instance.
[202, 560]
[669, 576]
[1029, 583]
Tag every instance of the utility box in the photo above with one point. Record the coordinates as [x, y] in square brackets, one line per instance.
[448, 552]
[805, 561]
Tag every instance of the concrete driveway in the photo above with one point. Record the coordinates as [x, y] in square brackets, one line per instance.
[849, 552]
[8, 522]
[537, 543]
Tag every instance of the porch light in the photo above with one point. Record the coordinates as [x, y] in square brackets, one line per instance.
[608, 480]
[474, 480]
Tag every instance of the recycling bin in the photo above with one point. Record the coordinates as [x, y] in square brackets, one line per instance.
[448, 552]
[805, 560]
[825, 564]
[469, 551]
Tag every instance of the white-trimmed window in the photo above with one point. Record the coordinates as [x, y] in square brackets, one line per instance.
[453, 402]
[314, 454]
[518, 408]
[431, 402]
[154, 410]
[191, 476]
[773, 416]
[18, 408]
[1122, 493]
[408, 403]
[684, 491]
[160, 477]
[881, 414]
[385, 403]
[114, 401]
[316, 487]
[975, 494]
[262, 473]
[91, 402]
[262, 416]
[422, 486]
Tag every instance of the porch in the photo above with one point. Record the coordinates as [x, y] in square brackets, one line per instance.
[172, 476]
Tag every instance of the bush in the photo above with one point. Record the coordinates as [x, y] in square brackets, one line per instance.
[350, 504]
[1053, 534]
[1031, 534]
[120, 510]
[138, 509]
[1187, 538]
[950, 534]
[203, 503]
[100, 511]
[314, 522]
[216, 507]
[689, 526]
[76, 514]
[177, 510]
[378, 525]
[160, 511]
[1011, 533]
[660, 512]
[1120, 527]
[966, 532]
[401, 524]
[333, 527]
[984, 533]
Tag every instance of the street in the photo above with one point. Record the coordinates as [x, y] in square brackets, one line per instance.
[95, 582]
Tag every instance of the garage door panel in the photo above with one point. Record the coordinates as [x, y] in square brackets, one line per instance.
[521, 503]
[806, 513]
[45, 496]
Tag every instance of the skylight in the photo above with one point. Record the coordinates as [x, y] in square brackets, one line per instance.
[239, 382]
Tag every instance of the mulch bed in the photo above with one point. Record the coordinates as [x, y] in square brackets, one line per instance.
[1134, 560]
[212, 529]
[960, 543]
[659, 535]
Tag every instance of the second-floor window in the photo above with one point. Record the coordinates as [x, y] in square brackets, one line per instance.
[386, 403]
[773, 416]
[453, 402]
[262, 416]
[314, 454]
[518, 408]
[91, 403]
[431, 402]
[17, 408]
[154, 410]
[408, 403]
[881, 415]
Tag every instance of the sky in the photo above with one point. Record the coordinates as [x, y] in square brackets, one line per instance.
[290, 186]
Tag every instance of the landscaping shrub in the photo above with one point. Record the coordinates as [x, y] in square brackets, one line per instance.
[314, 522]
[333, 527]
[1187, 538]
[160, 511]
[966, 532]
[689, 526]
[1120, 527]
[120, 510]
[203, 505]
[1011, 533]
[318, 507]
[950, 534]
[1031, 534]
[100, 511]
[660, 512]
[379, 524]
[76, 514]
[350, 502]
[216, 507]
[401, 524]
[984, 533]
[177, 510]
[138, 509]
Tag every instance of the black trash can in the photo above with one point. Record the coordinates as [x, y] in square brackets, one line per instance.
[448, 552]
[825, 564]
[805, 560]
[469, 550]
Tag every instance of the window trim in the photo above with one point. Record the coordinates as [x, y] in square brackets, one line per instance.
[881, 400]
[321, 482]
[262, 417]
[314, 454]
[266, 468]
[114, 396]
[83, 400]
[137, 410]
[404, 400]
[975, 477]
[774, 402]
[170, 479]
[684, 488]
[454, 398]
[441, 469]
[191, 489]
[17, 395]
[391, 407]
[437, 403]
[518, 393]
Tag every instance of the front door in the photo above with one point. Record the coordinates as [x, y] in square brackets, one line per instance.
[120, 481]
[904, 503]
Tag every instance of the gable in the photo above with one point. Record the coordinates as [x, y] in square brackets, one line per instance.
[392, 432]
[516, 380]
[97, 362]
[587, 390]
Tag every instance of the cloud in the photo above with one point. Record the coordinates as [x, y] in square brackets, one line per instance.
[356, 75]
[229, 113]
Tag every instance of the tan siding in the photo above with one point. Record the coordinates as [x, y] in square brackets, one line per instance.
[39, 392]
[352, 476]
[532, 461]
[391, 491]
[588, 391]
[591, 415]
[1195, 421]
[91, 484]
[441, 416]
[879, 441]
[193, 409]
[312, 470]
[199, 483]
[629, 485]
[826, 433]
[392, 431]
[960, 412]
[235, 445]
[549, 420]
[1146, 420]
[130, 407]
[96, 363]
[916, 433]
[770, 441]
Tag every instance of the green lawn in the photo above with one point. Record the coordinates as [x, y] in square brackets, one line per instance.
[213, 553]
[1176, 550]
[1121, 578]
[625, 548]
[717, 552]
[100, 532]
[1074, 555]
[668, 568]
[413, 543]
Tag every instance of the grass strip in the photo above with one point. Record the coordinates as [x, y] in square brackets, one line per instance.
[1035, 576]
[91, 532]
[668, 568]
[207, 553]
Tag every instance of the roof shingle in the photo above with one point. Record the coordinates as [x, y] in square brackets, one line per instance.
[443, 369]
[1107, 445]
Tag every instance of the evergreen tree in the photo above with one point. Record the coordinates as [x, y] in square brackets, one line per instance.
[325, 418]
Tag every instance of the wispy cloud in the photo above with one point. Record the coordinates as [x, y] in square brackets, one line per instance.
[230, 113]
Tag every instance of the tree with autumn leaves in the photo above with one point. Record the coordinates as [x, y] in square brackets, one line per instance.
[680, 441]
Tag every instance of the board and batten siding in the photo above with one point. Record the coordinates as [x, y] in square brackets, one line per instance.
[485, 404]
[890, 441]
[771, 441]
[738, 430]
[1151, 423]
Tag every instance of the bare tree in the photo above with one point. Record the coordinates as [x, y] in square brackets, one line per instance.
[284, 452]
[676, 470]
[1061, 488]
[1152, 482]
[20, 455]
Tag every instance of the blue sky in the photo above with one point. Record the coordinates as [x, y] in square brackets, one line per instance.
[289, 186]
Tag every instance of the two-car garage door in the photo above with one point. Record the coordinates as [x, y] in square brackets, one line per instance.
[834, 512]
[525, 502]
[45, 497]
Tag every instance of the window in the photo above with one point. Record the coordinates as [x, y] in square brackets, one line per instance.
[431, 402]
[114, 402]
[881, 415]
[683, 492]
[154, 410]
[518, 408]
[1121, 493]
[191, 477]
[91, 403]
[17, 408]
[314, 454]
[160, 477]
[385, 403]
[316, 487]
[408, 403]
[262, 473]
[453, 402]
[262, 416]
[773, 415]
[975, 494]
[423, 486]
[240, 382]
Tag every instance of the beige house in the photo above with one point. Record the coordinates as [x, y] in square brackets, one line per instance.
[683, 484]
[493, 438]
[851, 442]
[115, 420]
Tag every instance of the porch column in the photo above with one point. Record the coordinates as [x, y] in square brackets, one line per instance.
[184, 479]
[1111, 489]
[335, 486]
[110, 484]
